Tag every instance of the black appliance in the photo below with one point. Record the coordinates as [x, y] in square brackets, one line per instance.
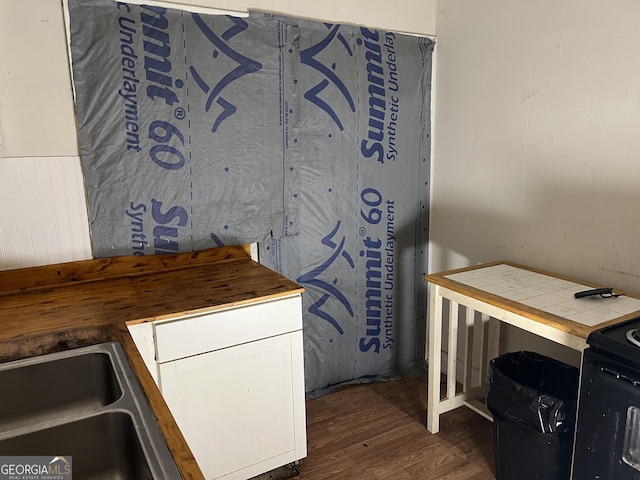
[607, 444]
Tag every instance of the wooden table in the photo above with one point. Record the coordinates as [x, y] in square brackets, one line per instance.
[539, 302]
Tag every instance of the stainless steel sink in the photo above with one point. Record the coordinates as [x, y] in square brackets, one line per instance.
[33, 392]
[84, 403]
[105, 445]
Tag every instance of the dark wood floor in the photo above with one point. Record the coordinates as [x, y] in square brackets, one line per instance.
[377, 432]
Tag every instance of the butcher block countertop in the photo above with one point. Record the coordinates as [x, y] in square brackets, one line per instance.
[57, 307]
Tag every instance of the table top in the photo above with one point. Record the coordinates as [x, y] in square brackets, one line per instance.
[542, 296]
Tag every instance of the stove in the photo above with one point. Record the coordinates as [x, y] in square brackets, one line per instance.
[621, 340]
[607, 444]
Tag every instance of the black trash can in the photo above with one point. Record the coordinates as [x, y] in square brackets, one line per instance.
[533, 401]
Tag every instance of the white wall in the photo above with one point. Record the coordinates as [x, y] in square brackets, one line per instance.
[43, 215]
[537, 137]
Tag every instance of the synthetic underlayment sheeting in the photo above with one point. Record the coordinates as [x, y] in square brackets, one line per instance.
[309, 138]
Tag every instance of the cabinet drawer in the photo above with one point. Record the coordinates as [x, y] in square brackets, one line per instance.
[187, 336]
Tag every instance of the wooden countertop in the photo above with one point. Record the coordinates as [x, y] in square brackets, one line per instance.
[56, 307]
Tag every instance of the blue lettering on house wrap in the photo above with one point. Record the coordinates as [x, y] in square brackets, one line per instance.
[373, 294]
[309, 57]
[245, 66]
[372, 254]
[372, 145]
[165, 233]
[394, 86]
[135, 214]
[128, 90]
[157, 63]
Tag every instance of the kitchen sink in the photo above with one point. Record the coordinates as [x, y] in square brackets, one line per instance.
[45, 390]
[86, 404]
[105, 445]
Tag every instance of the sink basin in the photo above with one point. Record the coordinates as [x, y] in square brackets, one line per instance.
[44, 390]
[105, 445]
[86, 404]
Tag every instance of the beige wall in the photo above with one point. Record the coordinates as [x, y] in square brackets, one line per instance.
[36, 104]
[537, 137]
[42, 206]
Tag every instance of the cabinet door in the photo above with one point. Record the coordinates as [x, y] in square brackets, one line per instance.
[241, 409]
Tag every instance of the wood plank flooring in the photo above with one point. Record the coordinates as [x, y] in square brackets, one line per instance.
[377, 432]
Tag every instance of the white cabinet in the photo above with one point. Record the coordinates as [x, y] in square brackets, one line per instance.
[234, 381]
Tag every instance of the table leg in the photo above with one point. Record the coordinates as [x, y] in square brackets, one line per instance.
[494, 338]
[467, 384]
[434, 359]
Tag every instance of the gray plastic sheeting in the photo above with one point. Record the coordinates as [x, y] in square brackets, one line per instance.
[183, 127]
[363, 201]
[312, 139]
